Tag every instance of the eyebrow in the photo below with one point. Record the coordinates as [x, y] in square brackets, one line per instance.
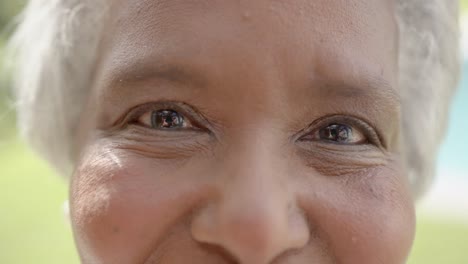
[141, 72]
[376, 88]
[373, 88]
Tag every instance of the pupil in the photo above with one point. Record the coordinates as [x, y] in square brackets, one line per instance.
[337, 133]
[167, 119]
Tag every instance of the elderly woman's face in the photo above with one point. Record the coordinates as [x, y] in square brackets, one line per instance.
[243, 132]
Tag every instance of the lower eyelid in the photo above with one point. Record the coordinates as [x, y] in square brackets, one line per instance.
[343, 152]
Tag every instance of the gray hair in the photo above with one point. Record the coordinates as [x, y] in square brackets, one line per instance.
[55, 45]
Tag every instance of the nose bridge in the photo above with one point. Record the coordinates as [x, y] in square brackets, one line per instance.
[255, 218]
[255, 186]
[253, 211]
[253, 159]
[255, 175]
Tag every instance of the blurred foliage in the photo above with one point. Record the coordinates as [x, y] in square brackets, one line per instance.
[440, 240]
[463, 5]
[33, 227]
[8, 9]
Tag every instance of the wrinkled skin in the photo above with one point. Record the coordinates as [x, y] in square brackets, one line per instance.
[251, 176]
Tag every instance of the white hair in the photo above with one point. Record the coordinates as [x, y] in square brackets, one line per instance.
[54, 48]
[53, 52]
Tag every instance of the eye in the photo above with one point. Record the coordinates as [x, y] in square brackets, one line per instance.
[339, 133]
[167, 119]
[164, 119]
[166, 116]
[346, 133]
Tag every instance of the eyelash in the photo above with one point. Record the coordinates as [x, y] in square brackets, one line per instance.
[197, 120]
[188, 112]
[372, 137]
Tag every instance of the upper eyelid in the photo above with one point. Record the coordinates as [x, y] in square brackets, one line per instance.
[189, 112]
[132, 115]
[322, 122]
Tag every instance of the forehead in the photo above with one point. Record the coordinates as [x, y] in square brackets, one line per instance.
[342, 40]
[343, 31]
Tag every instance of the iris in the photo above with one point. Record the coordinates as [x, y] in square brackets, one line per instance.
[167, 119]
[337, 133]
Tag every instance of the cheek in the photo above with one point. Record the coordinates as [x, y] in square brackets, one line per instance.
[364, 218]
[120, 199]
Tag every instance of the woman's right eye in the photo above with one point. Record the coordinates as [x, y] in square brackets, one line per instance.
[340, 133]
[164, 119]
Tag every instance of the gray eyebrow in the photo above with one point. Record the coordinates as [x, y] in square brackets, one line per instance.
[372, 88]
[376, 88]
[139, 72]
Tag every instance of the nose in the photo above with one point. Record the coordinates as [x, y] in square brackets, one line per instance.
[255, 217]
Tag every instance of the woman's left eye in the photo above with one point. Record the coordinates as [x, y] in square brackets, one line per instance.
[337, 133]
[164, 119]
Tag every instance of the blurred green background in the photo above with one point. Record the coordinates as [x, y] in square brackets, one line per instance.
[33, 228]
